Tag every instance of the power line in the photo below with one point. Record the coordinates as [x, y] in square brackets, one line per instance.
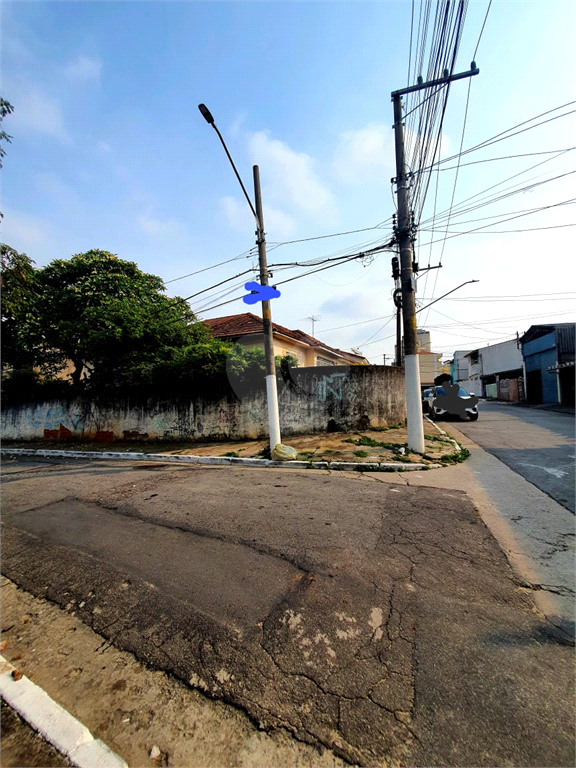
[335, 234]
[246, 254]
[508, 157]
[510, 218]
[502, 137]
[482, 30]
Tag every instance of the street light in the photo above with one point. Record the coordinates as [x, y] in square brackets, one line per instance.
[271, 388]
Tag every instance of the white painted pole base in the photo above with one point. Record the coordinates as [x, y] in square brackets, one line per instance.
[413, 403]
[273, 416]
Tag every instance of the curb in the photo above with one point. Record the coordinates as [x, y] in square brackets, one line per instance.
[429, 420]
[54, 723]
[341, 466]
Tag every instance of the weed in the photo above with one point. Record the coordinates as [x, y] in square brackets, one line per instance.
[361, 454]
[303, 455]
[455, 458]
[363, 440]
[233, 454]
[438, 439]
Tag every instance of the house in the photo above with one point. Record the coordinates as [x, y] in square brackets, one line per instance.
[502, 371]
[246, 329]
[548, 352]
[494, 371]
[459, 365]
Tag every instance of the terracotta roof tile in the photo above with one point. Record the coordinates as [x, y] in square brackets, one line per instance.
[232, 326]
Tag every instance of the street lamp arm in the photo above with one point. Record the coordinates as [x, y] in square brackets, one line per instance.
[446, 294]
[237, 175]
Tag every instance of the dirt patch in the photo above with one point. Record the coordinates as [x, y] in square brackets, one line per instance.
[371, 445]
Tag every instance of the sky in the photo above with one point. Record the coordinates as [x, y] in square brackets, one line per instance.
[110, 152]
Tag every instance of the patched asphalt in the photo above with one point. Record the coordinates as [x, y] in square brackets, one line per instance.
[380, 620]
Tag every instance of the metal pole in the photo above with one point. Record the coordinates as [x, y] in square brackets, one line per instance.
[271, 388]
[411, 366]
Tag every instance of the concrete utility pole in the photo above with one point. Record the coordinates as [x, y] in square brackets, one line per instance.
[408, 285]
[271, 388]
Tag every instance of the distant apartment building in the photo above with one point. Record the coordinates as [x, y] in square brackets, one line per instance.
[430, 363]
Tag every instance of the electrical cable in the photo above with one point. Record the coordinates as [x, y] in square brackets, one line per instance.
[246, 254]
[502, 137]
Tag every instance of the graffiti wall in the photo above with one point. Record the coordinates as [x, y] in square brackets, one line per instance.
[312, 400]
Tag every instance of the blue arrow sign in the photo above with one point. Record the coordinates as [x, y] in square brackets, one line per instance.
[259, 293]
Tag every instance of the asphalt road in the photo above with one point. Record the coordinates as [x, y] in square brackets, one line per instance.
[381, 620]
[535, 443]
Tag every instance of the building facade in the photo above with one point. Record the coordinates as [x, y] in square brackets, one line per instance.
[246, 329]
[548, 352]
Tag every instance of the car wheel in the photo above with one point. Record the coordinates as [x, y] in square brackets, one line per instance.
[473, 416]
[432, 414]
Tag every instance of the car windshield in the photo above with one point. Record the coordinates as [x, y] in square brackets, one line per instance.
[461, 392]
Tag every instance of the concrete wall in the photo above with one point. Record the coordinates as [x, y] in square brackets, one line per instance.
[321, 399]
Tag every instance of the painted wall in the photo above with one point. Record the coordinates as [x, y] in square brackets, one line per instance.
[501, 357]
[319, 400]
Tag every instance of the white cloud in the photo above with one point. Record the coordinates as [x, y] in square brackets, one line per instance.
[367, 153]
[159, 228]
[276, 223]
[83, 69]
[237, 214]
[290, 178]
[55, 189]
[28, 234]
[38, 113]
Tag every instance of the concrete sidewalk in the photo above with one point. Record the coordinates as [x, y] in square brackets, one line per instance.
[366, 614]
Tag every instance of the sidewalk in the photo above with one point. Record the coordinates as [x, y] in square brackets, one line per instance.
[370, 613]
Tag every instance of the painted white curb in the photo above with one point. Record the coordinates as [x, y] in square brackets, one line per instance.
[429, 420]
[57, 726]
[221, 460]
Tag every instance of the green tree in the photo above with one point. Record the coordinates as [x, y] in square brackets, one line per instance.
[5, 109]
[110, 319]
[18, 283]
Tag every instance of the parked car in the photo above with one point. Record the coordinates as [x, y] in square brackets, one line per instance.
[425, 395]
[434, 411]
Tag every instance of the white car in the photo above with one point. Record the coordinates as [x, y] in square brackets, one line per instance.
[435, 411]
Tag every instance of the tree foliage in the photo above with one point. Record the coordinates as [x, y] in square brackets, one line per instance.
[112, 325]
[18, 283]
[109, 318]
[5, 109]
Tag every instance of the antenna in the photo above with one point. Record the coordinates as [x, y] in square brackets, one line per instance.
[312, 319]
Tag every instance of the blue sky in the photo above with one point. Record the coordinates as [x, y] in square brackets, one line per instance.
[109, 151]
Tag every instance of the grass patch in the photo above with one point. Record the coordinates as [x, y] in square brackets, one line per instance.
[232, 454]
[454, 458]
[363, 440]
[438, 439]
[361, 454]
[304, 455]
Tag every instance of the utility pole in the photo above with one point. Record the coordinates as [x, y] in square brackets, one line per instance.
[271, 388]
[408, 284]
